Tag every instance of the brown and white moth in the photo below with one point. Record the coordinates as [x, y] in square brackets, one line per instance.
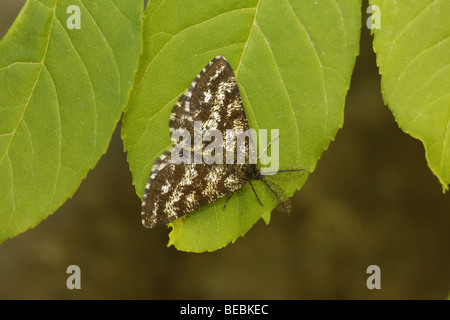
[174, 190]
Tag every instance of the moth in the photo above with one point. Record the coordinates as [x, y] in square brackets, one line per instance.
[175, 189]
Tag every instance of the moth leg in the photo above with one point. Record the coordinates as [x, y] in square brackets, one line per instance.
[256, 194]
[271, 189]
[226, 201]
[281, 171]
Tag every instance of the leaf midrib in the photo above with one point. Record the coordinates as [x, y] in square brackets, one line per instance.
[34, 85]
[6, 228]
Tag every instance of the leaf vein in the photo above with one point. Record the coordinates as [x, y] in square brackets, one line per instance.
[318, 60]
[248, 38]
[32, 89]
[343, 25]
[120, 12]
[107, 45]
[421, 88]
[32, 150]
[445, 138]
[18, 63]
[285, 91]
[175, 36]
[60, 135]
[90, 83]
[420, 54]
[412, 21]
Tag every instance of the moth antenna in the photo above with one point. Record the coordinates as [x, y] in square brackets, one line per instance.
[255, 194]
[265, 149]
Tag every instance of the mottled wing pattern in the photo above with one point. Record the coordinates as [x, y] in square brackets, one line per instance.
[180, 117]
[189, 187]
[215, 100]
[176, 189]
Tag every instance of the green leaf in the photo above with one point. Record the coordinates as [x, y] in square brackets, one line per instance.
[62, 93]
[293, 61]
[413, 54]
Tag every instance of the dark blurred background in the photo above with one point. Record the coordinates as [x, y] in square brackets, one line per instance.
[371, 200]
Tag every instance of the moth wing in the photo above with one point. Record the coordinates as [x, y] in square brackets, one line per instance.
[174, 190]
[214, 98]
[180, 118]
